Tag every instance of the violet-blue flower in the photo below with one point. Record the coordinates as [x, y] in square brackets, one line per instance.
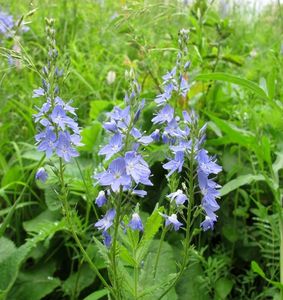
[114, 146]
[166, 114]
[106, 239]
[172, 220]
[136, 222]
[137, 168]
[115, 176]
[100, 199]
[179, 197]
[64, 147]
[107, 221]
[206, 164]
[41, 175]
[175, 164]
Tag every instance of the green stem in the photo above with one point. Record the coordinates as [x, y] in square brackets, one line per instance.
[88, 198]
[76, 238]
[136, 279]
[114, 262]
[188, 225]
[159, 250]
[14, 206]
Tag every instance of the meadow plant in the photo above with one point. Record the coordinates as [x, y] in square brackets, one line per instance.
[127, 235]
[193, 191]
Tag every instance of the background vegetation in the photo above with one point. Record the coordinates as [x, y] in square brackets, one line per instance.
[236, 85]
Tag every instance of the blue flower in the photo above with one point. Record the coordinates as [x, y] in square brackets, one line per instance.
[206, 164]
[38, 93]
[156, 135]
[107, 221]
[106, 239]
[208, 187]
[170, 75]
[115, 176]
[101, 199]
[115, 145]
[64, 147]
[47, 141]
[136, 222]
[179, 197]
[144, 140]
[175, 164]
[6, 23]
[41, 174]
[166, 114]
[208, 223]
[163, 98]
[172, 220]
[139, 193]
[184, 87]
[137, 168]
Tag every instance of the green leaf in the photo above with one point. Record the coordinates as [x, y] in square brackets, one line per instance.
[250, 85]
[35, 284]
[189, 285]
[41, 221]
[52, 199]
[79, 280]
[99, 106]
[151, 228]
[239, 181]
[7, 247]
[223, 287]
[91, 136]
[97, 295]
[257, 269]
[153, 287]
[278, 164]
[233, 134]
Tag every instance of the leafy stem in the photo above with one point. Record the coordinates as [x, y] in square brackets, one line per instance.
[114, 246]
[164, 230]
[64, 198]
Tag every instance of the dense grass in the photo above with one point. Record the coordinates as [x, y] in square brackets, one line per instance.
[239, 97]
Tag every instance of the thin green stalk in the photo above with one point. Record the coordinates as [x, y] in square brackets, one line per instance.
[281, 254]
[18, 200]
[159, 251]
[69, 220]
[136, 280]
[88, 200]
[114, 262]
[188, 225]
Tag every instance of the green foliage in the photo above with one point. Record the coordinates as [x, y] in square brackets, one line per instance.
[236, 85]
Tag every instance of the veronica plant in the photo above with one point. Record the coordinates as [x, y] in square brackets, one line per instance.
[190, 168]
[58, 134]
[122, 181]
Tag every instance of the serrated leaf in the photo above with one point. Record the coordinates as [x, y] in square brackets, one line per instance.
[151, 228]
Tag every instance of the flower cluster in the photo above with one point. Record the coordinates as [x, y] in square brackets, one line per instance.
[8, 25]
[56, 120]
[208, 188]
[127, 169]
[185, 143]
